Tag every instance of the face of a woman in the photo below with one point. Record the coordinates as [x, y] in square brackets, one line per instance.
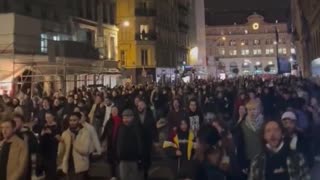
[114, 111]
[183, 126]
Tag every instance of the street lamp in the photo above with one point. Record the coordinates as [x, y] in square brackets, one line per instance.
[125, 23]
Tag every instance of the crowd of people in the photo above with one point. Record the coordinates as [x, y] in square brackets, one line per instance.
[235, 129]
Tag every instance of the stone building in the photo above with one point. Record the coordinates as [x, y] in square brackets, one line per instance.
[249, 48]
[153, 37]
[305, 19]
[53, 45]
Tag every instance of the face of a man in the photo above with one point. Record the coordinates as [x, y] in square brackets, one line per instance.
[141, 106]
[176, 104]
[45, 104]
[193, 106]
[127, 120]
[74, 122]
[289, 125]
[19, 123]
[7, 130]
[273, 134]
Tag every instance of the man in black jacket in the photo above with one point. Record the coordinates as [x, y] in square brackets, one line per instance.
[129, 147]
[149, 131]
[296, 139]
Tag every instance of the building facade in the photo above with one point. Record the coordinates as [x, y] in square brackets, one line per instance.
[153, 37]
[55, 45]
[305, 15]
[250, 48]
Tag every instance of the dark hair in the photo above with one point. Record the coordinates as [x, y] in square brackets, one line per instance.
[77, 114]
[12, 122]
[264, 125]
[19, 116]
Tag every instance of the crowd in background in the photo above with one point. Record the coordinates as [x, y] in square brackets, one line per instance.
[245, 128]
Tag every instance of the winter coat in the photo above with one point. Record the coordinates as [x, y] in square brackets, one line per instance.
[129, 143]
[18, 159]
[296, 165]
[80, 150]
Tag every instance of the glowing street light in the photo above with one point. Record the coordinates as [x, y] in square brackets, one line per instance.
[126, 23]
[224, 38]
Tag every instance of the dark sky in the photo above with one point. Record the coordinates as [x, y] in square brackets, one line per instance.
[224, 12]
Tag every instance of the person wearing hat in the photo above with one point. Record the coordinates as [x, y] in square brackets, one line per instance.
[129, 147]
[294, 138]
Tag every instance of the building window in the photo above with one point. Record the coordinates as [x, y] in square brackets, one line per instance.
[123, 57]
[6, 5]
[220, 43]
[256, 42]
[245, 52]
[269, 51]
[144, 57]
[44, 43]
[232, 43]
[144, 30]
[233, 52]
[89, 9]
[269, 41]
[293, 51]
[112, 48]
[222, 52]
[257, 52]
[282, 50]
[244, 42]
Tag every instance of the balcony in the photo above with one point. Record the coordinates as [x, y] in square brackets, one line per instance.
[145, 12]
[150, 36]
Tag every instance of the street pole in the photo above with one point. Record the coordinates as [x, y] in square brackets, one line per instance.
[277, 49]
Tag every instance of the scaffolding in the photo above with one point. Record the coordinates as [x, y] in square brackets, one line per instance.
[34, 71]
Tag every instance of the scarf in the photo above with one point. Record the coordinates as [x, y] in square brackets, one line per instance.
[116, 124]
[256, 124]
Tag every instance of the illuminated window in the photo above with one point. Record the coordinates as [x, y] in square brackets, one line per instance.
[144, 57]
[222, 52]
[256, 51]
[245, 52]
[293, 51]
[44, 43]
[269, 51]
[256, 42]
[232, 43]
[123, 57]
[282, 51]
[233, 52]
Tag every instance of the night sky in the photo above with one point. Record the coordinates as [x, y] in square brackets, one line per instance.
[226, 12]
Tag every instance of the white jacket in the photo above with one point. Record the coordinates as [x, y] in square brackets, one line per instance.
[94, 140]
[80, 151]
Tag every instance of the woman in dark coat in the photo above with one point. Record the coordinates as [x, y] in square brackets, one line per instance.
[111, 135]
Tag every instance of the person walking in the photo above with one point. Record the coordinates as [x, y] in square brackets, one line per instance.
[49, 140]
[277, 161]
[130, 148]
[13, 153]
[74, 149]
[29, 138]
[110, 135]
[149, 133]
